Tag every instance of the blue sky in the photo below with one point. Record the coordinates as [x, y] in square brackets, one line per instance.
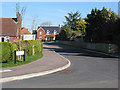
[52, 11]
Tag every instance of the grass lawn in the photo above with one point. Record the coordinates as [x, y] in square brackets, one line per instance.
[28, 59]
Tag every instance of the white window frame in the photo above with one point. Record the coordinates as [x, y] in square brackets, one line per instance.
[55, 32]
[40, 33]
[48, 32]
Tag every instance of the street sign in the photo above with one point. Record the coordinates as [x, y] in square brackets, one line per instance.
[19, 53]
[28, 37]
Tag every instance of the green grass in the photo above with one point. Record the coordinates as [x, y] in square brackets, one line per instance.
[28, 59]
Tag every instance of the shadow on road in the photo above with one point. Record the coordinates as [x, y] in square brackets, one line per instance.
[72, 51]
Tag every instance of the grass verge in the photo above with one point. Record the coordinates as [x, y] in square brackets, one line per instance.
[28, 60]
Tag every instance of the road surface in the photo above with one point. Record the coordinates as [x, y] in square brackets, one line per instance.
[88, 70]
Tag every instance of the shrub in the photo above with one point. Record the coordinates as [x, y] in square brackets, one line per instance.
[7, 49]
[37, 46]
[41, 47]
[29, 48]
[28, 44]
[13, 47]
[5, 52]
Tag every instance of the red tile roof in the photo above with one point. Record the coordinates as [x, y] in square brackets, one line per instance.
[9, 26]
[25, 31]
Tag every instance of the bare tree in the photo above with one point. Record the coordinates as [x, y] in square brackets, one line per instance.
[20, 15]
[34, 24]
[46, 23]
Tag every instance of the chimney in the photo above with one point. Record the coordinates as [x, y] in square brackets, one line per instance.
[19, 24]
[59, 28]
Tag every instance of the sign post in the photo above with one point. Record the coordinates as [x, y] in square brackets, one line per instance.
[24, 55]
[18, 53]
[15, 56]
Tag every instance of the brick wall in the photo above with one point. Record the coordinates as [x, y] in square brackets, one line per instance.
[42, 35]
[13, 39]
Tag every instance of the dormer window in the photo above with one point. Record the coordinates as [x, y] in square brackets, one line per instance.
[48, 32]
[55, 32]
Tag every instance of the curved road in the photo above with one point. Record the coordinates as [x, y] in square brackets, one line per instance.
[88, 70]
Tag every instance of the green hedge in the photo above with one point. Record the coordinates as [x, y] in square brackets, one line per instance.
[28, 44]
[7, 50]
[38, 46]
[13, 47]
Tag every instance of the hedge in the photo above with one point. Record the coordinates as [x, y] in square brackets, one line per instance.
[7, 51]
[13, 47]
[28, 44]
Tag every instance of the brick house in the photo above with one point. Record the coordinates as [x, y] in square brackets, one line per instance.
[9, 32]
[24, 31]
[45, 32]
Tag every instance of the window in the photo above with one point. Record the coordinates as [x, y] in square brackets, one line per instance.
[40, 33]
[7, 39]
[48, 32]
[55, 32]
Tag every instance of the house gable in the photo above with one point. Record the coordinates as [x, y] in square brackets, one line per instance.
[40, 33]
[45, 32]
[25, 31]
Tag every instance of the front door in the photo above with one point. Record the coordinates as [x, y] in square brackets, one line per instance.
[40, 38]
[2, 39]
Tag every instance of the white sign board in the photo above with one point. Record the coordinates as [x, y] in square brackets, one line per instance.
[28, 37]
[19, 53]
[0, 39]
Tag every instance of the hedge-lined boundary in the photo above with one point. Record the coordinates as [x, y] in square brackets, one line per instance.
[7, 51]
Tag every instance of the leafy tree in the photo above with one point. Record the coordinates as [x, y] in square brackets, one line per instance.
[68, 31]
[62, 36]
[97, 25]
[80, 26]
[72, 18]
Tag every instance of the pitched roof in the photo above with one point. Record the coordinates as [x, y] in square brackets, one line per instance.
[9, 26]
[50, 28]
[34, 32]
[25, 31]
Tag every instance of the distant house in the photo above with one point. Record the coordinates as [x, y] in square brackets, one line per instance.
[24, 31]
[46, 32]
[9, 30]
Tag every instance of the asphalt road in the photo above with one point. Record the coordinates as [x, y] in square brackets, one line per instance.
[88, 70]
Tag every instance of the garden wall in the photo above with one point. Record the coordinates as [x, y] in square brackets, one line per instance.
[106, 48]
